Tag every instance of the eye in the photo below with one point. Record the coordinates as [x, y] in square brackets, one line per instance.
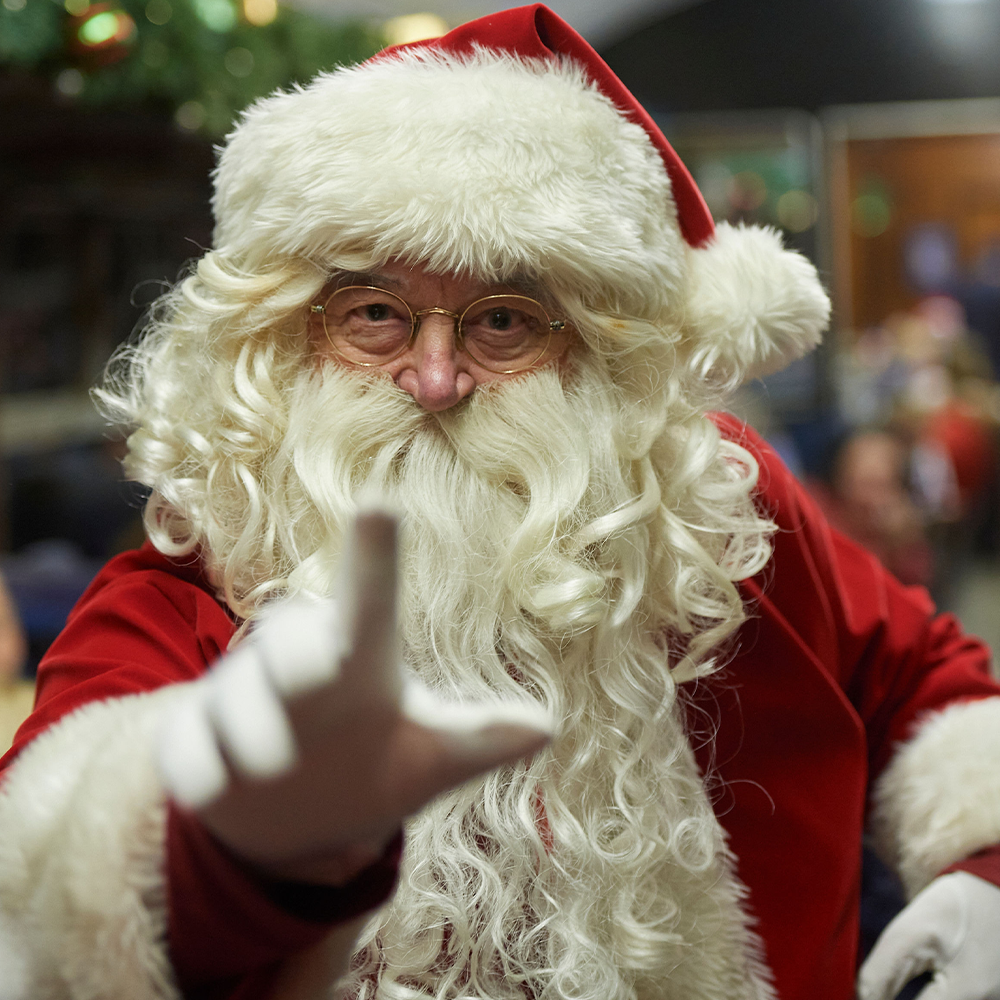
[377, 311]
[509, 320]
[499, 319]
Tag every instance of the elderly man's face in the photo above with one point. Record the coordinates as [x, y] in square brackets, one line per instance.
[432, 368]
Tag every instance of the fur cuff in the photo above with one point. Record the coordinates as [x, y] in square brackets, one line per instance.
[939, 799]
[82, 893]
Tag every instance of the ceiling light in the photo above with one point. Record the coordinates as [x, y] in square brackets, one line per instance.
[414, 28]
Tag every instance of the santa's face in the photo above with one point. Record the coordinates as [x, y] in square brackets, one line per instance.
[434, 367]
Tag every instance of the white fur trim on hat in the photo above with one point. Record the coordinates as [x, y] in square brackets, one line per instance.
[501, 166]
[484, 163]
[939, 799]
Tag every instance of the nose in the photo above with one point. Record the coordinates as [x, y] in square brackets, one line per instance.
[433, 371]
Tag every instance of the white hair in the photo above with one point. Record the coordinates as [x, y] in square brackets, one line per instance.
[576, 534]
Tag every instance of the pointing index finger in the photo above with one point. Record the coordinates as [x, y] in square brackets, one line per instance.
[369, 583]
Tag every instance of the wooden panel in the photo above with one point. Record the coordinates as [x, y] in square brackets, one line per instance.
[948, 180]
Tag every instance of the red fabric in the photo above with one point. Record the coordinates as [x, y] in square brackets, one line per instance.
[248, 946]
[535, 32]
[985, 864]
[836, 665]
[165, 626]
[969, 443]
[264, 922]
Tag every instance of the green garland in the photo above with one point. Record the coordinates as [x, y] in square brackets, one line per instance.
[198, 60]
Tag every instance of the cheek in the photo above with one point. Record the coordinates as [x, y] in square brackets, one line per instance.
[321, 350]
[563, 361]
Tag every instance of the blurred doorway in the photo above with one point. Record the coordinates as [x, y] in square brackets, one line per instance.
[915, 208]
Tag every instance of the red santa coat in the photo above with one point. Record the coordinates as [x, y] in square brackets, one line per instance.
[837, 667]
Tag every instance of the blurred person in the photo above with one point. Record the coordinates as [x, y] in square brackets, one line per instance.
[946, 410]
[870, 500]
[869, 375]
[16, 693]
[979, 294]
[947, 373]
[13, 644]
[925, 376]
[966, 425]
[470, 279]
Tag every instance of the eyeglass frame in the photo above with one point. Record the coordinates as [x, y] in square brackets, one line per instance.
[554, 326]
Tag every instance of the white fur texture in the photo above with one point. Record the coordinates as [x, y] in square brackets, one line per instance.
[753, 307]
[82, 897]
[504, 167]
[491, 165]
[939, 799]
[555, 533]
[14, 984]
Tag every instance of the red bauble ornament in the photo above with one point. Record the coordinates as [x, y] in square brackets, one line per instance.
[101, 35]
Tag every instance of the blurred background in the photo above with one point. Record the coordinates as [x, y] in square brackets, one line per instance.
[867, 130]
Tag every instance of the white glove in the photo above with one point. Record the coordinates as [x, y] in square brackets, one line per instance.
[952, 929]
[306, 742]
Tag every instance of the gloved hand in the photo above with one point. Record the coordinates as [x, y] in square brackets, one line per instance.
[952, 929]
[305, 748]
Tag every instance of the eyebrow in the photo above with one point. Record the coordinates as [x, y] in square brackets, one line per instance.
[366, 278]
[520, 284]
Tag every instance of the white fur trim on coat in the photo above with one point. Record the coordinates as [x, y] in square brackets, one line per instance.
[504, 167]
[939, 799]
[82, 894]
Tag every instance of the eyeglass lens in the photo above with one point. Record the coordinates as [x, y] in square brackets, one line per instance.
[370, 326]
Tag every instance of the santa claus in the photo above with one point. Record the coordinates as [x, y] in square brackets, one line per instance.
[469, 283]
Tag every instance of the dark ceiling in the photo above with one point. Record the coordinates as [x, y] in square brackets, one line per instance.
[735, 54]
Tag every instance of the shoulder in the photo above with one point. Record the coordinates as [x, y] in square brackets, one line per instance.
[144, 622]
[148, 590]
[146, 569]
[145, 603]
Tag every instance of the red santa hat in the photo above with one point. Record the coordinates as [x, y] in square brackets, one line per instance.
[508, 147]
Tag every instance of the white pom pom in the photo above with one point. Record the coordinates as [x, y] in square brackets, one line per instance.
[752, 306]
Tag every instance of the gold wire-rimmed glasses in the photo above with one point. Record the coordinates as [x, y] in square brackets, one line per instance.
[370, 326]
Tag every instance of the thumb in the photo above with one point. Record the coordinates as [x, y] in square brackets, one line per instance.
[491, 746]
[891, 964]
[922, 937]
[477, 736]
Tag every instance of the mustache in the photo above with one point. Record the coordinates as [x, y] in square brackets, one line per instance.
[367, 410]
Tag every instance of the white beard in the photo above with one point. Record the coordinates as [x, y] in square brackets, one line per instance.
[599, 869]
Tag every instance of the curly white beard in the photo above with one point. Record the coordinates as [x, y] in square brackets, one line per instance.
[534, 530]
